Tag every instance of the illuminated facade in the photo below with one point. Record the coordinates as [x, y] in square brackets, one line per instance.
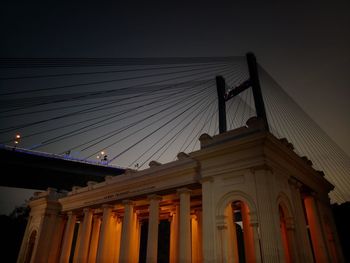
[245, 196]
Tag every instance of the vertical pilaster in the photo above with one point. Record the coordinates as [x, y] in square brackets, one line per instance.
[94, 239]
[271, 245]
[68, 238]
[303, 248]
[54, 255]
[249, 241]
[208, 226]
[153, 224]
[331, 231]
[126, 238]
[318, 241]
[222, 254]
[256, 235]
[85, 236]
[102, 251]
[47, 228]
[185, 226]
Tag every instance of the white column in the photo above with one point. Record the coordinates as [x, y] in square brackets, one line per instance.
[185, 225]
[208, 226]
[200, 235]
[118, 230]
[135, 247]
[68, 238]
[153, 224]
[102, 251]
[125, 246]
[195, 239]
[85, 236]
[174, 235]
[77, 243]
[94, 239]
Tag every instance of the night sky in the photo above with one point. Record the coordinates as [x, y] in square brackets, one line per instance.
[304, 46]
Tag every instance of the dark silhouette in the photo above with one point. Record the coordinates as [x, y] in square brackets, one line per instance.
[12, 231]
[342, 219]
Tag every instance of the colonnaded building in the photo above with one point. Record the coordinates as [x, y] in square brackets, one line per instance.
[245, 196]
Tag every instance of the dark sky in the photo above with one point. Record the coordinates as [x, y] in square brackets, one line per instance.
[305, 46]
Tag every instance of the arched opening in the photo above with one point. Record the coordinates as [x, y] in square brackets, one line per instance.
[30, 247]
[314, 228]
[237, 228]
[241, 246]
[285, 235]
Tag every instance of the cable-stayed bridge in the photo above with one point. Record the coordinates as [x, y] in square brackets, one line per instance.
[127, 112]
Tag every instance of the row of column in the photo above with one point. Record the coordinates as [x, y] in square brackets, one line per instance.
[314, 216]
[111, 240]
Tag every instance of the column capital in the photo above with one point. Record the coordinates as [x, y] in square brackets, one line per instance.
[71, 213]
[183, 191]
[127, 202]
[107, 206]
[208, 179]
[253, 217]
[198, 211]
[154, 197]
[115, 215]
[294, 182]
[221, 220]
[87, 210]
[96, 217]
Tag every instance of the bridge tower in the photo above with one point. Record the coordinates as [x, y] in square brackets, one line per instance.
[253, 82]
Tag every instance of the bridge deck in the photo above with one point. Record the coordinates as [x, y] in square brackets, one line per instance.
[33, 170]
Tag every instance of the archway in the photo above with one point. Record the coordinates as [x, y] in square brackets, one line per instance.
[284, 235]
[286, 227]
[237, 229]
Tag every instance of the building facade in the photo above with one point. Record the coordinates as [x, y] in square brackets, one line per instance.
[245, 196]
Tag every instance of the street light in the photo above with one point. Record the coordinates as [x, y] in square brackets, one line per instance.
[102, 156]
[17, 139]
